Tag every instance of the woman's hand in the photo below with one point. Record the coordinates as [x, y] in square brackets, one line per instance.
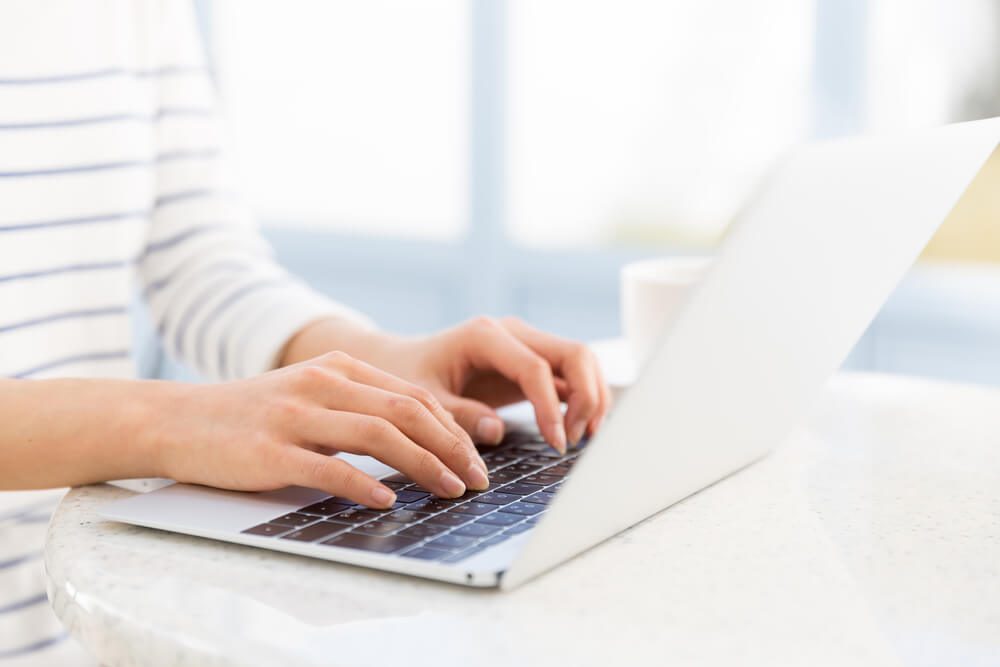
[481, 365]
[279, 428]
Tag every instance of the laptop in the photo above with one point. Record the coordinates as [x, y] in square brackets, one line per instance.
[801, 273]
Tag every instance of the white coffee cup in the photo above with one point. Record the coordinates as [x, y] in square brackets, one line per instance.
[651, 292]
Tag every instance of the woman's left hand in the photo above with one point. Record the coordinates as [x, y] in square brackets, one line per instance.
[484, 364]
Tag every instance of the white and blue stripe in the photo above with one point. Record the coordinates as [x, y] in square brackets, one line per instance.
[29, 634]
[113, 182]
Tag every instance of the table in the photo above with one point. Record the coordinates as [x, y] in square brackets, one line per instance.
[872, 536]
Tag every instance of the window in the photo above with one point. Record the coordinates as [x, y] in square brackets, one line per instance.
[349, 116]
[425, 161]
[648, 121]
[491, 145]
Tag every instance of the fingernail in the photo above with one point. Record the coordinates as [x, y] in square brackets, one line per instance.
[452, 485]
[560, 437]
[489, 430]
[383, 497]
[576, 431]
[479, 479]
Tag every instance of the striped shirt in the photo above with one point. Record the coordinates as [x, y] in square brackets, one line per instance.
[112, 183]
[112, 180]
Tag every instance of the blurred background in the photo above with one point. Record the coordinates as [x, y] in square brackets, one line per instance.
[427, 161]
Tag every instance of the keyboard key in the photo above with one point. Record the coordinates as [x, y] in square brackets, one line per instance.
[524, 468]
[498, 498]
[500, 519]
[267, 529]
[294, 519]
[550, 454]
[432, 505]
[476, 530]
[472, 508]
[495, 540]
[518, 529]
[543, 498]
[380, 527]
[407, 516]
[449, 519]
[355, 516]
[451, 542]
[327, 507]
[520, 488]
[422, 530]
[526, 509]
[398, 478]
[382, 545]
[315, 532]
[543, 479]
[462, 555]
[498, 460]
[498, 456]
[504, 476]
[408, 496]
[395, 486]
[423, 553]
[543, 458]
[559, 470]
[536, 445]
[502, 454]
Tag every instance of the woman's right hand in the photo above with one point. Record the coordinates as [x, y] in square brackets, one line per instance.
[279, 429]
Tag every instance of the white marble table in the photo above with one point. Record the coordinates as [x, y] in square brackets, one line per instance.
[871, 537]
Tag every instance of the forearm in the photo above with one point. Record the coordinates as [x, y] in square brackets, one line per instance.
[341, 334]
[69, 432]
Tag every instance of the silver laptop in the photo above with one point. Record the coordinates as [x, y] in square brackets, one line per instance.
[800, 275]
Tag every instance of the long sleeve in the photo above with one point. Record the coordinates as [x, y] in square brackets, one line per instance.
[218, 300]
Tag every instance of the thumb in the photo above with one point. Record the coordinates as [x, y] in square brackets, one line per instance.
[478, 419]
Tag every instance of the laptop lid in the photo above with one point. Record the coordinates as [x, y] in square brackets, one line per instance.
[801, 273]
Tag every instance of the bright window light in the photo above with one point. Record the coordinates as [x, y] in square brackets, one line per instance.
[644, 121]
[931, 63]
[349, 115]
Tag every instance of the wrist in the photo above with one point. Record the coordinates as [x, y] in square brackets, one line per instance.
[156, 414]
[330, 334]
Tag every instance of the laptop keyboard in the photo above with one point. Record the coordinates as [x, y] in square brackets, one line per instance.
[525, 474]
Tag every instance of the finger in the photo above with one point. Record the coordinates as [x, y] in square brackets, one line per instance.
[379, 438]
[577, 364]
[364, 373]
[606, 403]
[336, 477]
[562, 388]
[416, 421]
[491, 347]
[479, 419]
